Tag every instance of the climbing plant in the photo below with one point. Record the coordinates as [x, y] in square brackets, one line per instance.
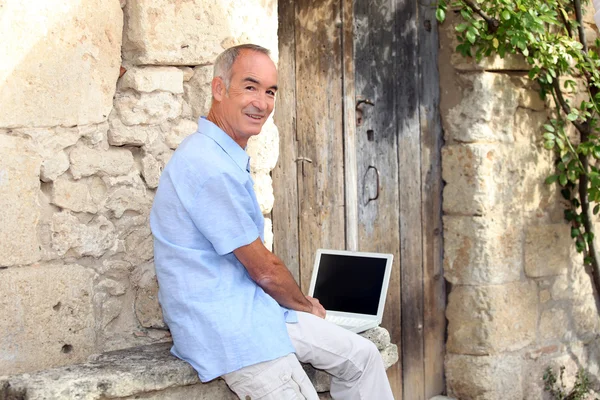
[550, 35]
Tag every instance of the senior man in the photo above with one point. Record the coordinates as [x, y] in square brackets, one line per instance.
[233, 308]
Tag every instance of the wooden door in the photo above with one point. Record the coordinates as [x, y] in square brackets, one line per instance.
[371, 184]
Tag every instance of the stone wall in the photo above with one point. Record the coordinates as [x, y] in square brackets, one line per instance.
[520, 298]
[96, 95]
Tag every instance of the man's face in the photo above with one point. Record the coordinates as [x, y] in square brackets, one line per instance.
[251, 95]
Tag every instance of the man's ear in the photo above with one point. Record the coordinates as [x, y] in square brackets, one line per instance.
[218, 88]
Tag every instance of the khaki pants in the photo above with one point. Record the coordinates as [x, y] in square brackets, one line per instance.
[354, 362]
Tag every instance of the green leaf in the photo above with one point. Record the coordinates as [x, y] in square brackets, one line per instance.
[549, 136]
[549, 128]
[572, 117]
[551, 179]
[562, 179]
[461, 27]
[440, 15]
[574, 232]
[596, 209]
[505, 15]
[471, 37]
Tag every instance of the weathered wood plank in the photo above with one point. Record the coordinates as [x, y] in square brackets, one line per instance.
[434, 294]
[377, 162]
[349, 117]
[320, 130]
[409, 160]
[285, 180]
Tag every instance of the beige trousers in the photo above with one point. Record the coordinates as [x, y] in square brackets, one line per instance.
[354, 362]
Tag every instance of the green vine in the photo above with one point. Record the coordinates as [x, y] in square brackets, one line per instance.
[555, 386]
[551, 37]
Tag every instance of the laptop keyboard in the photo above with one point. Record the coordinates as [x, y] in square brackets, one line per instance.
[346, 322]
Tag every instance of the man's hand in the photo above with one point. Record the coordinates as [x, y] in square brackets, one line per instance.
[317, 308]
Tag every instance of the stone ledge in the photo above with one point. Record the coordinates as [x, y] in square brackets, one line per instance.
[148, 372]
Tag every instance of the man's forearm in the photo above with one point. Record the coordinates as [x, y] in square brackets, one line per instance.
[281, 286]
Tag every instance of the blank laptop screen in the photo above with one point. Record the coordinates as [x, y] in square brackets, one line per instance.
[350, 283]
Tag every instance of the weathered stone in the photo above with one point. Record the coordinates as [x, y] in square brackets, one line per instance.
[485, 112]
[54, 167]
[76, 196]
[19, 191]
[139, 244]
[547, 250]
[108, 309]
[379, 336]
[484, 378]
[60, 62]
[50, 141]
[147, 309]
[188, 72]
[554, 324]
[486, 320]
[198, 91]
[160, 32]
[268, 234]
[529, 126]
[264, 148]
[482, 250]
[151, 170]
[112, 287]
[86, 161]
[174, 134]
[47, 317]
[92, 239]
[531, 100]
[510, 62]
[136, 135]
[94, 134]
[263, 187]
[585, 318]
[127, 198]
[149, 79]
[147, 108]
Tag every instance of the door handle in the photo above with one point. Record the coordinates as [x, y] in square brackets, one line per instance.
[377, 183]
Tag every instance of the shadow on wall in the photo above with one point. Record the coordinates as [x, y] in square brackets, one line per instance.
[77, 175]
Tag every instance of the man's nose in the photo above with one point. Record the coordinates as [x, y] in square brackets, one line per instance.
[260, 102]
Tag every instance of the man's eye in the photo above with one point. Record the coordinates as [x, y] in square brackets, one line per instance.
[250, 88]
[270, 93]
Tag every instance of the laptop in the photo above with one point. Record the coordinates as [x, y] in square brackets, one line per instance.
[351, 286]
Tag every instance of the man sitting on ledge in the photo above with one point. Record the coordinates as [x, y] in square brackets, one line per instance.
[232, 306]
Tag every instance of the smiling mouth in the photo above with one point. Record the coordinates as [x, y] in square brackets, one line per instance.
[255, 117]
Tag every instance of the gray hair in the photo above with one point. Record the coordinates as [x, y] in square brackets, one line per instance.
[225, 60]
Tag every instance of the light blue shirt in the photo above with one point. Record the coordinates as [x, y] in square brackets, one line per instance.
[205, 207]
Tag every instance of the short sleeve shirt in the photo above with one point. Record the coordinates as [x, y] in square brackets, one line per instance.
[205, 207]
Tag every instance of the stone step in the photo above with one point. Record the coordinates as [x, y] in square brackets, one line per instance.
[146, 372]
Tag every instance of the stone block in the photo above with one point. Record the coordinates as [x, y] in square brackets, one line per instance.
[485, 320]
[484, 378]
[548, 250]
[79, 196]
[174, 134]
[473, 178]
[47, 317]
[149, 79]
[554, 325]
[151, 170]
[198, 91]
[147, 309]
[585, 318]
[263, 187]
[128, 198]
[54, 166]
[482, 250]
[486, 111]
[160, 32]
[83, 239]
[60, 61]
[120, 134]
[147, 108]
[144, 372]
[87, 161]
[263, 149]
[19, 192]
[530, 99]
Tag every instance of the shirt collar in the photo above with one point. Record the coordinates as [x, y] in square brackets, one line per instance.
[237, 154]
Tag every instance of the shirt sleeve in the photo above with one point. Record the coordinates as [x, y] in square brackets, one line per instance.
[222, 210]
